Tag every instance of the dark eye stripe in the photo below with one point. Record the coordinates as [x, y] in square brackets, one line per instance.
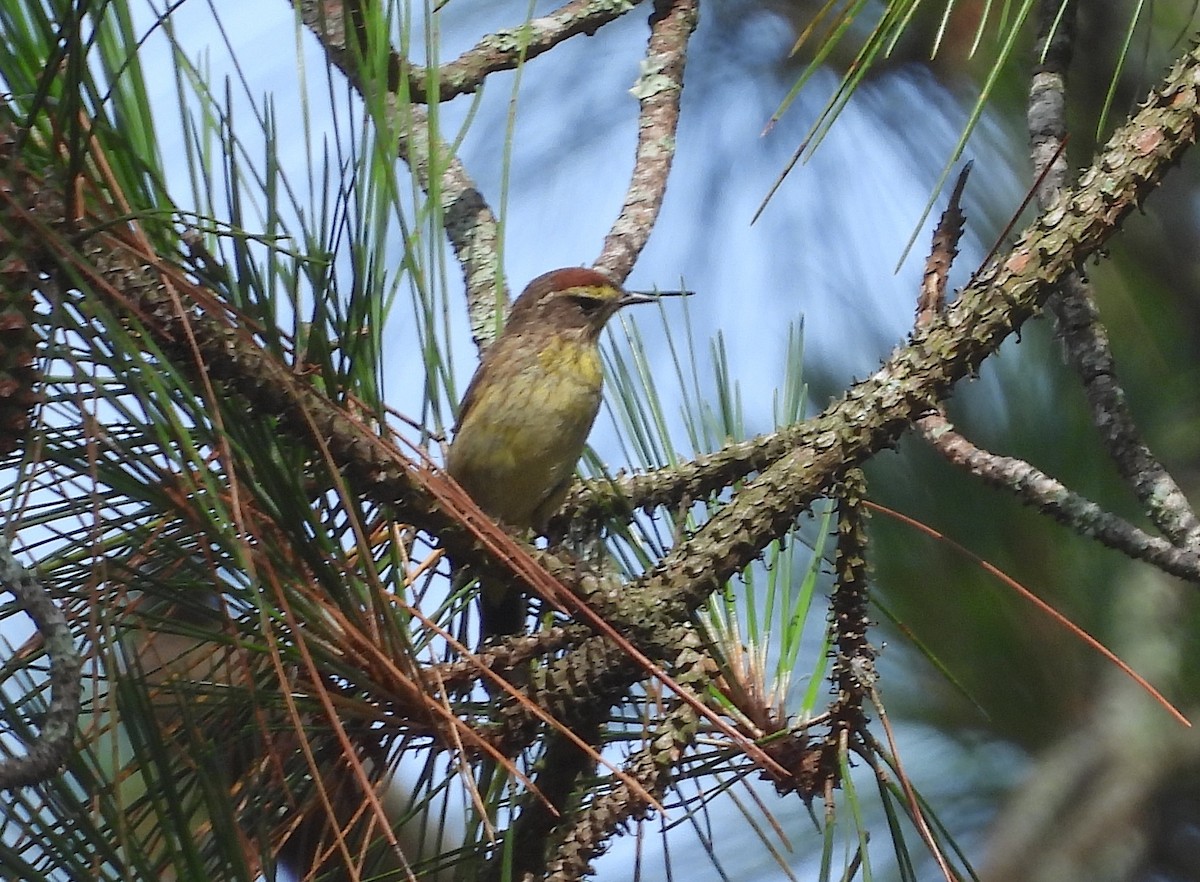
[588, 302]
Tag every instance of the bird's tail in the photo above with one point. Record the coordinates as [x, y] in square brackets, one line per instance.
[501, 613]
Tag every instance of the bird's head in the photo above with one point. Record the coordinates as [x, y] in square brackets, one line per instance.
[575, 298]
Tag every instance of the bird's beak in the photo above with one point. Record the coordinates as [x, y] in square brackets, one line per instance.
[631, 297]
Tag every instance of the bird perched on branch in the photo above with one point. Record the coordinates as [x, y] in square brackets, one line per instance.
[527, 412]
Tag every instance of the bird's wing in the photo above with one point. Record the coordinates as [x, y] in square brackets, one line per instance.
[485, 369]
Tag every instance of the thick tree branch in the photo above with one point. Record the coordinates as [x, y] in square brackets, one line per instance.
[561, 767]
[608, 813]
[875, 411]
[1031, 486]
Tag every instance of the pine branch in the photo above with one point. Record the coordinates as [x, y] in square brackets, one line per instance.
[797, 464]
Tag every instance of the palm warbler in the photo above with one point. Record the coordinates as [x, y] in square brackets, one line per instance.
[528, 410]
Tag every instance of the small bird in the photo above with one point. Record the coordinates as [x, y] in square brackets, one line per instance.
[527, 412]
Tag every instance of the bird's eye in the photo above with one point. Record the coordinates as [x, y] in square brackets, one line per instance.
[589, 303]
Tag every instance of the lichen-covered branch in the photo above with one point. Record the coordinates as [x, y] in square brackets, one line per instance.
[503, 50]
[658, 91]
[1076, 314]
[1034, 487]
[470, 225]
[44, 757]
[799, 463]
[1030, 485]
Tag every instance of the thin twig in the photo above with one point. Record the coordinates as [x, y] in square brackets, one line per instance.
[503, 50]
[1076, 314]
[1035, 488]
[470, 224]
[44, 757]
[658, 90]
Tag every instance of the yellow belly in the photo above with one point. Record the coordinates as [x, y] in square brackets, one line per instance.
[518, 445]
